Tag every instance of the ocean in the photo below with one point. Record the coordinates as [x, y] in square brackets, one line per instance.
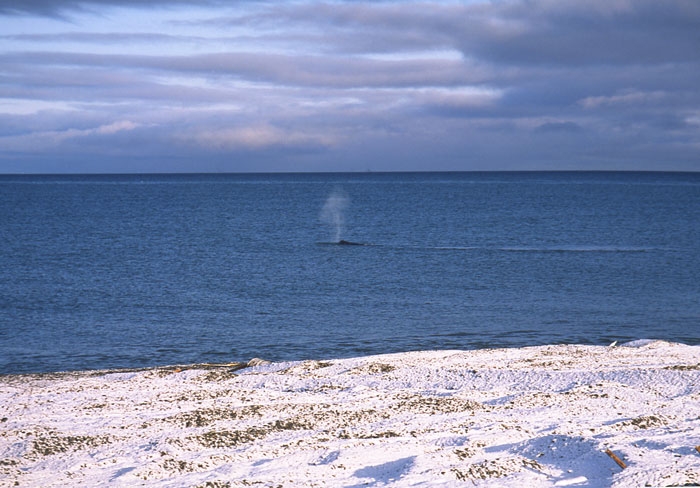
[115, 271]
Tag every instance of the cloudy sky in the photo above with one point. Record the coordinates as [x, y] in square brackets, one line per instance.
[178, 85]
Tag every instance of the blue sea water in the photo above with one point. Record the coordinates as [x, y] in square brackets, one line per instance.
[130, 271]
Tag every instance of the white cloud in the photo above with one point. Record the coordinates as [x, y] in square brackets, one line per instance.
[629, 98]
[43, 140]
[113, 128]
[12, 106]
[260, 136]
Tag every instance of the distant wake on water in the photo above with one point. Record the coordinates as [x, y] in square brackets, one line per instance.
[559, 249]
[508, 249]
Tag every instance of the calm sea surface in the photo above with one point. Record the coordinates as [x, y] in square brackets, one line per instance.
[127, 271]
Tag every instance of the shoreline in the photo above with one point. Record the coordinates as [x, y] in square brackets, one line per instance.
[532, 416]
[242, 364]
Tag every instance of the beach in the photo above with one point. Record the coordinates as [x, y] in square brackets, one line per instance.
[562, 415]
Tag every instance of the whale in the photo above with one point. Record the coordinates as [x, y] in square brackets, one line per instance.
[343, 242]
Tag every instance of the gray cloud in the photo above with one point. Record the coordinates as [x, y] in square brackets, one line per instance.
[305, 70]
[61, 8]
[514, 32]
[565, 126]
[103, 38]
[597, 32]
[496, 85]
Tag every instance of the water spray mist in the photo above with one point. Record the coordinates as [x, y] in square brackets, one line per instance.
[333, 212]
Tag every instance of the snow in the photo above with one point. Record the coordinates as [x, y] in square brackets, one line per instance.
[539, 416]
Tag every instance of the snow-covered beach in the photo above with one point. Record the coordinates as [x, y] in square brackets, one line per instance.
[538, 416]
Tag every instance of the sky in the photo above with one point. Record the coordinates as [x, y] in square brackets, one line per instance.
[122, 86]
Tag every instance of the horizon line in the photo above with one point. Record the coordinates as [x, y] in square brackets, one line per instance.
[357, 172]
